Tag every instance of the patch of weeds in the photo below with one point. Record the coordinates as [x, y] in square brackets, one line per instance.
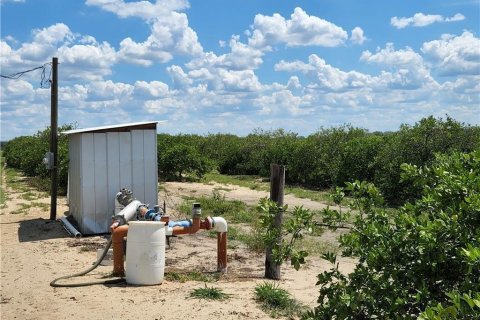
[87, 249]
[15, 181]
[25, 207]
[317, 231]
[3, 199]
[251, 182]
[216, 205]
[315, 247]
[209, 293]
[254, 239]
[277, 301]
[29, 196]
[232, 246]
[314, 195]
[192, 276]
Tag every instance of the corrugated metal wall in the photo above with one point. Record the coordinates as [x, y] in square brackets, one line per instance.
[103, 163]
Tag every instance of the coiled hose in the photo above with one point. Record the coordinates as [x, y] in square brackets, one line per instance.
[84, 284]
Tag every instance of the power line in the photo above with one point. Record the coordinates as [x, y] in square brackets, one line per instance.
[44, 81]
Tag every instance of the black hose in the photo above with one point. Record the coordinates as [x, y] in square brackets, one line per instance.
[95, 265]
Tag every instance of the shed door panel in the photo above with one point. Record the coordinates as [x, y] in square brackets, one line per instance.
[87, 182]
[150, 166]
[100, 157]
[113, 169]
[138, 171]
[125, 160]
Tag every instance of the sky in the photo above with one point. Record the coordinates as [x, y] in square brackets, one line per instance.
[211, 66]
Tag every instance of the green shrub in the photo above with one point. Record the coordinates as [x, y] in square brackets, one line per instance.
[418, 260]
[26, 154]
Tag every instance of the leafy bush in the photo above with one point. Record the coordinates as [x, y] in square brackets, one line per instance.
[417, 261]
[26, 154]
[282, 239]
[417, 145]
[176, 158]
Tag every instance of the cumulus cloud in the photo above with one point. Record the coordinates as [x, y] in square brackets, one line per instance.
[357, 36]
[240, 57]
[153, 89]
[410, 69]
[455, 55]
[323, 75]
[300, 30]
[81, 57]
[179, 78]
[170, 33]
[422, 20]
[141, 9]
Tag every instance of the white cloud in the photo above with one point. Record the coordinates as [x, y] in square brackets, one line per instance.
[410, 69]
[455, 55]
[301, 30]
[153, 89]
[16, 1]
[244, 80]
[87, 62]
[391, 57]
[323, 75]
[281, 101]
[241, 57]
[109, 90]
[421, 20]
[170, 33]
[456, 17]
[357, 36]
[179, 78]
[141, 9]
[80, 57]
[162, 106]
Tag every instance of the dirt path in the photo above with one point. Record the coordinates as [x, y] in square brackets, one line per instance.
[35, 250]
[173, 192]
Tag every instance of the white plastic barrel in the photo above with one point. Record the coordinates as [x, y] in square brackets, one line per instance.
[145, 252]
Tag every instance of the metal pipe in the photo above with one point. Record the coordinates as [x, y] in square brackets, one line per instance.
[118, 249]
[221, 251]
[70, 228]
[127, 213]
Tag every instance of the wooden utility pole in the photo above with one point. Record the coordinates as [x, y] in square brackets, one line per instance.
[54, 138]
[277, 185]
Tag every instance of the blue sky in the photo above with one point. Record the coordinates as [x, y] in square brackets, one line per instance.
[233, 66]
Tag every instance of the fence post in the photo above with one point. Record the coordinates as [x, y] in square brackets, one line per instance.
[277, 185]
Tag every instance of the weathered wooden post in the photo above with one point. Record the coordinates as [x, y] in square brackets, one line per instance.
[277, 185]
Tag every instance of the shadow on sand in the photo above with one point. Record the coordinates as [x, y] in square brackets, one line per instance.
[40, 229]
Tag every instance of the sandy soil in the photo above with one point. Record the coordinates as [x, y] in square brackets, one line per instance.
[35, 250]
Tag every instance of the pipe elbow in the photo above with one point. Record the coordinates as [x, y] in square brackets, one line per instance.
[219, 224]
[119, 233]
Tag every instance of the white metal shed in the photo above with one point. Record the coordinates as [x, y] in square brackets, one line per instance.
[103, 160]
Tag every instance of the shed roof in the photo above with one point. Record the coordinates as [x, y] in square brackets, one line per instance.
[118, 128]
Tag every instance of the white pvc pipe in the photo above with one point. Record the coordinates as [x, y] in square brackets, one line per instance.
[70, 228]
[129, 212]
[219, 224]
